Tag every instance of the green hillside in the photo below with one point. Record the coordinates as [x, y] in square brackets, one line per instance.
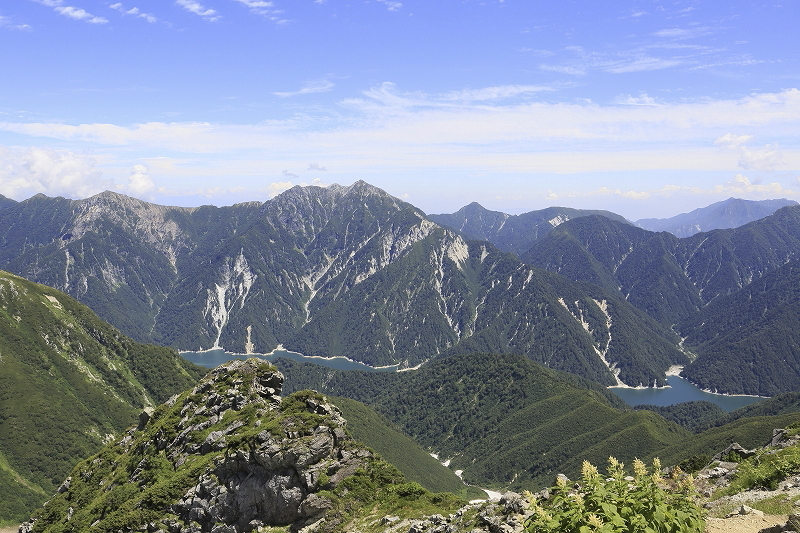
[400, 450]
[68, 383]
[502, 419]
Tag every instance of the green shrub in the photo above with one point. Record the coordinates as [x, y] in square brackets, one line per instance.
[766, 470]
[644, 503]
[695, 463]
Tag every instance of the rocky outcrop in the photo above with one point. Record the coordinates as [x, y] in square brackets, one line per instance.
[228, 456]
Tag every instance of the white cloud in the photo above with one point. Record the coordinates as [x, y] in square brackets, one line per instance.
[256, 4]
[641, 64]
[683, 33]
[739, 185]
[316, 86]
[388, 130]
[198, 9]
[537, 52]
[266, 8]
[494, 93]
[314, 166]
[275, 188]
[139, 182]
[564, 69]
[134, 11]
[391, 5]
[75, 13]
[5, 22]
[28, 171]
[642, 99]
[290, 174]
[768, 158]
[732, 140]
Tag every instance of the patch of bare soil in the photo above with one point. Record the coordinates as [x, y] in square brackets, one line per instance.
[8, 529]
[750, 523]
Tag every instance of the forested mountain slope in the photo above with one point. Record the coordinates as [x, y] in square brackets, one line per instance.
[508, 422]
[749, 341]
[668, 277]
[729, 292]
[68, 383]
[504, 420]
[326, 271]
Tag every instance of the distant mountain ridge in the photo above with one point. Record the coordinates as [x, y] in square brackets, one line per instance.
[730, 213]
[512, 233]
[337, 271]
[353, 271]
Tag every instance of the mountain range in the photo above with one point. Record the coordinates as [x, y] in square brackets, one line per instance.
[352, 271]
[371, 277]
[337, 271]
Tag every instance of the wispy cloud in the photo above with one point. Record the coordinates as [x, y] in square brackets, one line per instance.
[74, 13]
[199, 9]
[642, 99]
[316, 86]
[738, 185]
[640, 64]
[316, 167]
[265, 8]
[622, 62]
[564, 69]
[384, 114]
[684, 33]
[6, 22]
[391, 5]
[495, 93]
[134, 11]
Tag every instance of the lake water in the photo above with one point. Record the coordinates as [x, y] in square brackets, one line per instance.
[212, 358]
[679, 391]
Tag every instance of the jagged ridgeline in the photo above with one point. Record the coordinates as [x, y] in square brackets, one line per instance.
[337, 271]
[231, 455]
[68, 383]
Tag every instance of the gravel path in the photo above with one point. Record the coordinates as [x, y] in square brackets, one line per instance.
[743, 523]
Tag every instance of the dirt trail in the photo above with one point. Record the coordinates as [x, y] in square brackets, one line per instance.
[743, 523]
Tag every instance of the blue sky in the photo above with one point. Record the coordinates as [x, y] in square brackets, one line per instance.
[646, 108]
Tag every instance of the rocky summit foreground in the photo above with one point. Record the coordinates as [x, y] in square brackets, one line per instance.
[228, 456]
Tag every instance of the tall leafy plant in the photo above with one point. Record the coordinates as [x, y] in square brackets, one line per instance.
[618, 503]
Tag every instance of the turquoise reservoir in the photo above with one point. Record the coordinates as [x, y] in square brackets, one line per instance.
[680, 391]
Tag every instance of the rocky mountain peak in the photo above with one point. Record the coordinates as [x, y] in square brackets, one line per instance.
[230, 455]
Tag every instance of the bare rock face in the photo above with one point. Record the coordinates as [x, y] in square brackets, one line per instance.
[229, 456]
